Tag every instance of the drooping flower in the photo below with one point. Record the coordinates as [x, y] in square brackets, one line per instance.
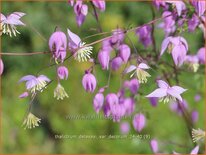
[177, 46]
[192, 62]
[34, 84]
[98, 102]
[124, 128]
[124, 52]
[80, 9]
[134, 86]
[193, 23]
[24, 94]
[140, 72]
[159, 3]
[117, 37]
[116, 63]
[194, 116]
[153, 101]
[180, 6]
[179, 108]
[154, 146]
[103, 57]
[89, 82]
[139, 122]
[59, 92]
[129, 105]
[1, 66]
[197, 135]
[167, 93]
[78, 48]
[117, 111]
[31, 121]
[145, 36]
[62, 72]
[58, 45]
[168, 23]
[201, 55]
[100, 4]
[197, 97]
[8, 23]
[194, 151]
[200, 6]
[110, 100]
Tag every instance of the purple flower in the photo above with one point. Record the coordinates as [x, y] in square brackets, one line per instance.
[194, 151]
[58, 45]
[167, 93]
[159, 3]
[193, 23]
[197, 97]
[100, 4]
[62, 72]
[194, 116]
[139, 122]
[34, 84]
[139, 71]
[9, 23]
[180, 6]
[129, 105]
[154, 146]
[124, 52]
[116, 63]
[144, 34]
[178, 108]
[153, 101]
[24, 94]
[168, 23]
[110, 100]
[134, 86]
[103, 57]
[201, 55]
[177, 46]
[81, 11]
[117, 111]
[200, 7]
[1, 66]
[98, 102]
[78, 48]
[124, 127]
[117, 37]
[89, 82]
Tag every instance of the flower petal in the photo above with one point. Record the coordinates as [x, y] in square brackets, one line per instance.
[130, 69]
[26, 78]
[162, 84]
[171, 91]
[160, 92]
[143, 66]
[164, 45]
[195, 150]
[73, 38]
[179, 89]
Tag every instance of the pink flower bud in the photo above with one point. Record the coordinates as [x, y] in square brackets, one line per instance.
[124, 52]
[139, 121]
[62, 72]
[116, 63]
[103, 57]
[98, 102]
[89, 82]
[154, 145]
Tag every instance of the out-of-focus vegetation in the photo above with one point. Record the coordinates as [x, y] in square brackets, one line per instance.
[43, 17]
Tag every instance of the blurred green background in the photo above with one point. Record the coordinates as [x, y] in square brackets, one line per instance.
[162, 124]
